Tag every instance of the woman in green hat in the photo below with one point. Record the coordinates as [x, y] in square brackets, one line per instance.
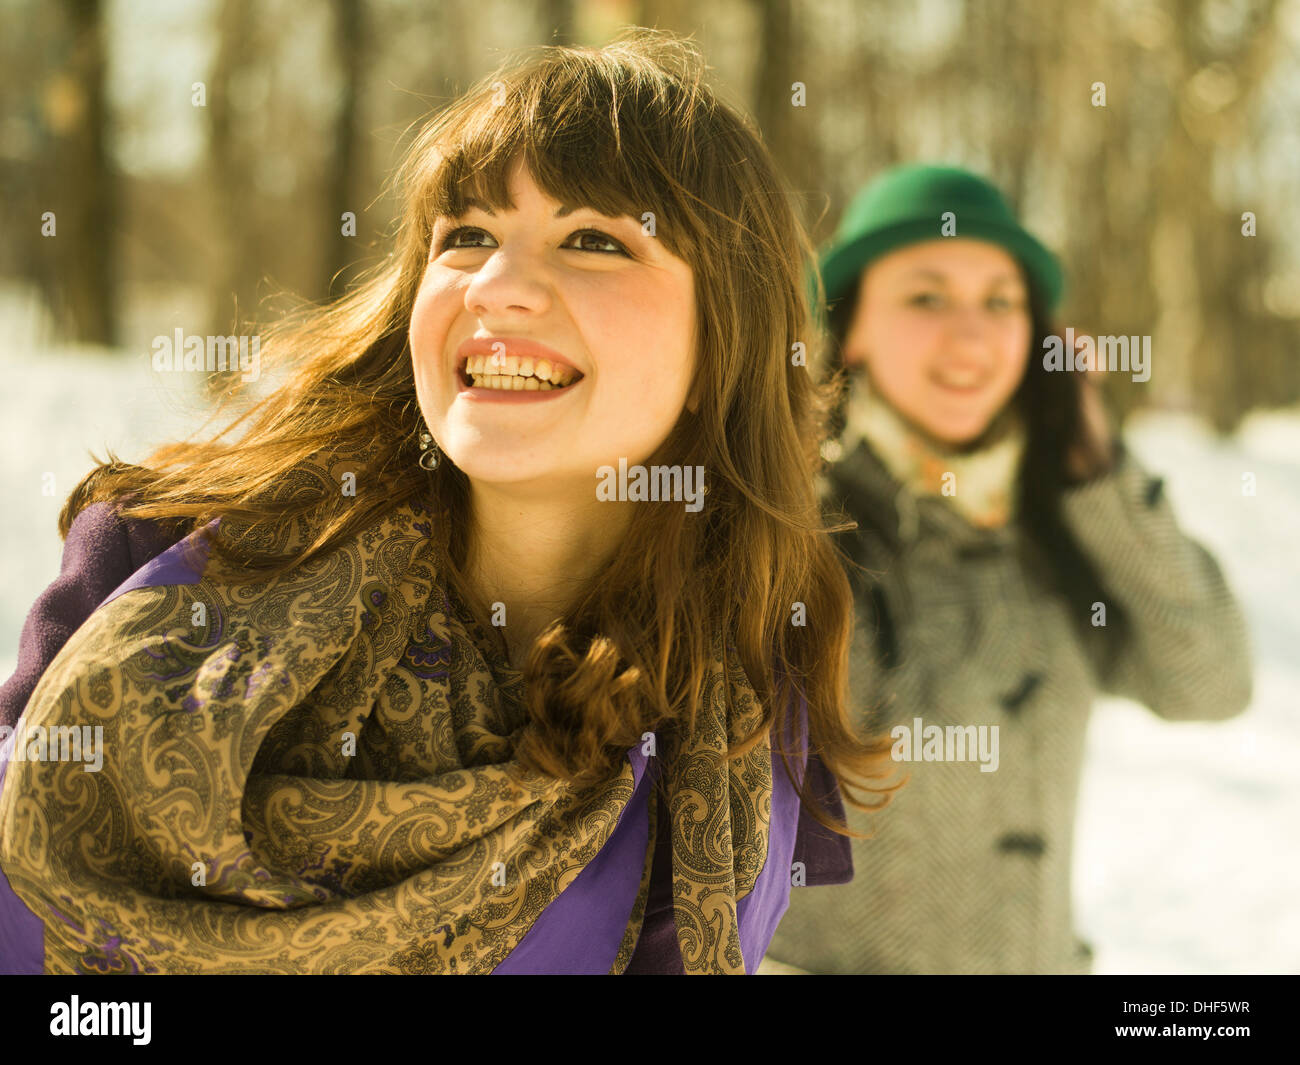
[1013, 560]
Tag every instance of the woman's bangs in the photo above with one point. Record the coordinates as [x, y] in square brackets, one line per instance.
[579, 161]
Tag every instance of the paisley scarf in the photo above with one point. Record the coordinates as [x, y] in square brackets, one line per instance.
[315, 774]
[982, 485]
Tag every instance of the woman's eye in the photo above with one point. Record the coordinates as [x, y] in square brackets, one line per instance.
[1002, 303]
[586, 240]
[926, 299]
[451, 240]
[595, 235]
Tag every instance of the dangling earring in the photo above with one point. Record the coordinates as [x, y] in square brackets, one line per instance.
[428, 451]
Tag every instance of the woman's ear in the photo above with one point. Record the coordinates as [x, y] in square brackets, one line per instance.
[847, 329]
[693, 398]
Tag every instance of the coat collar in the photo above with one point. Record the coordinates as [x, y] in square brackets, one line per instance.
[881, 505]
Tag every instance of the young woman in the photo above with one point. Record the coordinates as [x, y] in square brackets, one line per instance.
[409, 692]
[1017, 560]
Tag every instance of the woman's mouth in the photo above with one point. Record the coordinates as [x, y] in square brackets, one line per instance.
[960, 383]
[514, 379]
[515, 373]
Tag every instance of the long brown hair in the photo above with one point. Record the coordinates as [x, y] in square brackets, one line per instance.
[627, 129]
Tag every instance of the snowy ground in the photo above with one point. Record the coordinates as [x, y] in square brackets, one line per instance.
[1188, 851]
[1187, 844]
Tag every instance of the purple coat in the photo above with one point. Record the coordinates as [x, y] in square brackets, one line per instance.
[104, 552]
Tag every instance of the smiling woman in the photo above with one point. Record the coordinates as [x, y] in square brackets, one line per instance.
[1013, 561]
[407, 693]
[620, 346]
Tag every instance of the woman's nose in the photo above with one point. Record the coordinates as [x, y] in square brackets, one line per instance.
[510, 279]
[969, 328]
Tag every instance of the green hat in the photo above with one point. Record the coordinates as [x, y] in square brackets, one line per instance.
[908, 204]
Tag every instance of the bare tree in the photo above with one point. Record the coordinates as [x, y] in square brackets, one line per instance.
[79, 182]
[343, 191]
[236, 265]
[785, 77]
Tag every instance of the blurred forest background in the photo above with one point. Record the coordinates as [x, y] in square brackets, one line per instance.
[199, 156]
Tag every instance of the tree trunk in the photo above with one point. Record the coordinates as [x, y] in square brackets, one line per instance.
[79, 276]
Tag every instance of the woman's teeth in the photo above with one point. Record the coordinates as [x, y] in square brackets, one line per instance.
[965, 383]
[518, 374]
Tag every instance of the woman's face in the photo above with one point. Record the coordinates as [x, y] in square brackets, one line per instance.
[943, 330]
[534, 294]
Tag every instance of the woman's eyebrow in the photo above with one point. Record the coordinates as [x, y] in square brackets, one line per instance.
[935, 275]
[921, 271]
[562, 211]
[564, 208]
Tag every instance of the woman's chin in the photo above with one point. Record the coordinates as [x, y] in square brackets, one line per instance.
[955, 434]
[528, 480]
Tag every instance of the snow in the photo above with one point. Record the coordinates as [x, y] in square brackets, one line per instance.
[60, 403]
[1186, 855]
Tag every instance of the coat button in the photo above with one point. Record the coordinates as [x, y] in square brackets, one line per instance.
[1015, 700]
[1030, 843]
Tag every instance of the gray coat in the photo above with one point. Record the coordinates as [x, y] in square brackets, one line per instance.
[969, 871]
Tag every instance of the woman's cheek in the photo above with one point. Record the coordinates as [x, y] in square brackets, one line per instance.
[908, 351]
[422, 327]
[914, 345]
[437, 294]
[1018, 356]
